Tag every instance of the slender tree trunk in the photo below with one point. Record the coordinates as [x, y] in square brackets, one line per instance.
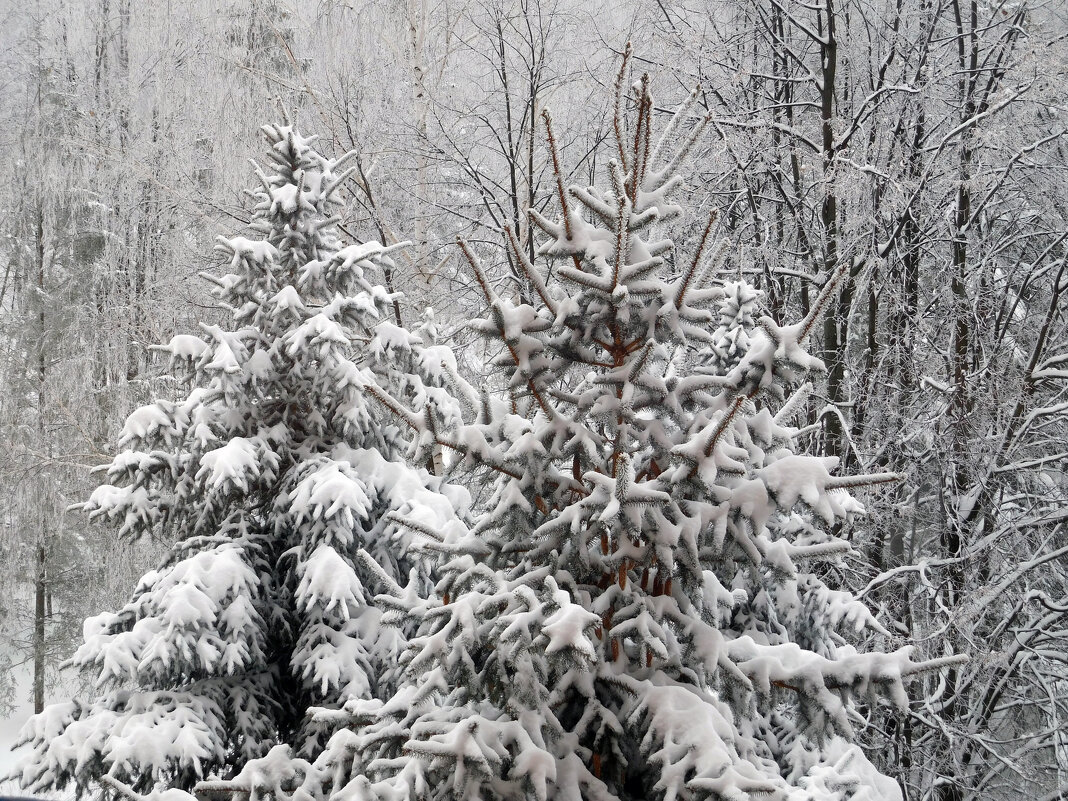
[836, 323]
[39, 614]
[959, 476]
[40, 578]
[417, 25]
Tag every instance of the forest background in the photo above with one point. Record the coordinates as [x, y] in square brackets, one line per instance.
[922, 142]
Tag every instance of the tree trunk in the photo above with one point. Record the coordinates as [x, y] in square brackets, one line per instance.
[39, 614]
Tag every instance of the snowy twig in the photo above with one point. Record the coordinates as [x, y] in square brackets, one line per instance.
[120, 787]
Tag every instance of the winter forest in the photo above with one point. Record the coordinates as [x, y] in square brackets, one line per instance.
[455, 400]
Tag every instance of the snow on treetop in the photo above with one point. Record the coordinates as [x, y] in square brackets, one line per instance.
[288, 142]
[141, 735]
[146, 421]
[389, 337]
[844, 773]
[362, 254]
[186, 346]
[327, 580]
[287, 299]
[236, 462]
[567, 626]
[317, 330]
[286, 199]
[327, 489]
[692, 736]
[259, 251]
[227, 348]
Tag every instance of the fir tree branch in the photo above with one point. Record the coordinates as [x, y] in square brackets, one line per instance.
[597, 207]
[823, 301]
[819, 549]
[416, 424]
[641, 140]
[221, 789]
[557, 173]
[684, 150]
[480, 276]
[122, 789]
[594, 282]
[530, 271]
[673, 124]
[368, 561]
[622, 225]
[795, 401]
[494, 302]
[926, 666]
[617, 116]
[870, 480]
[724, 423]
[691, 273]
[396, 407]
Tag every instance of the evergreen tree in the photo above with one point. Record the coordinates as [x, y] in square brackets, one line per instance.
[638, 613]
[731, 339]
[276, 475]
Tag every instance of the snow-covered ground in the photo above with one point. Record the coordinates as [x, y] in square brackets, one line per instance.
[9, 728]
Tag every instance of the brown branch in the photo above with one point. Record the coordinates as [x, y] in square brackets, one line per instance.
[487, 290]
[819, 308]
[722, 427]
[530, 271]
[622, 234]
[854, 482]
[491, 296]
[686, 281]
[414, 423]
[564, 209]
[641, 139]
[617, 117]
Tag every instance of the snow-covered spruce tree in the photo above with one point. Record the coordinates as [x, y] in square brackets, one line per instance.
[637, 614]
[275, 476]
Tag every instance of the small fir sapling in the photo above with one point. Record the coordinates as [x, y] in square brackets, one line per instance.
[276, 476]
[731, 339]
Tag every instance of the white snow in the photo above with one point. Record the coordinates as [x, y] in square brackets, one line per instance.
[235, 462]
